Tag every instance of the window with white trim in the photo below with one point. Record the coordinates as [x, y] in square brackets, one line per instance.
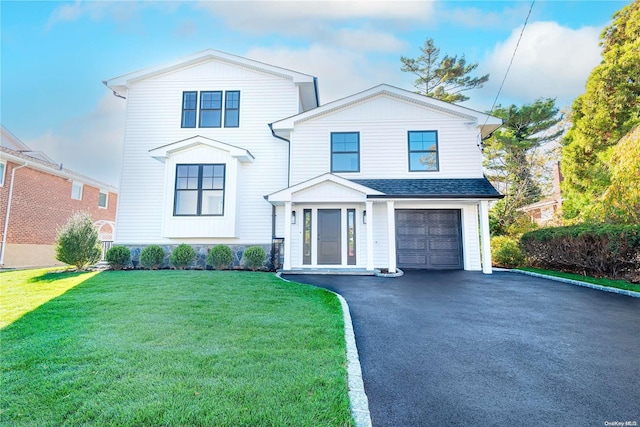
[76, 190]
[3, 169]
[103, 199]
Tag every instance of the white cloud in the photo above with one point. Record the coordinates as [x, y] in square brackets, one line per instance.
[351, 24]
[90, 144]
[340, 72]
[551, 61]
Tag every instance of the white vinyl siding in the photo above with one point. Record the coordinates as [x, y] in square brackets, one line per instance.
[154, 119]
[383, 123]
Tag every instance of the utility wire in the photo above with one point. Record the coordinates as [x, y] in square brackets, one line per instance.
[511, 62]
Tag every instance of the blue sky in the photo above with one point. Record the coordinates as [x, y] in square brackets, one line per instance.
[55, 55]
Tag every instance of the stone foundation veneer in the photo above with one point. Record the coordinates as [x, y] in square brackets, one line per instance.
[202, 251]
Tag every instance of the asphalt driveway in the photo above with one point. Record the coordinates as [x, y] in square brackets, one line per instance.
[463, 348]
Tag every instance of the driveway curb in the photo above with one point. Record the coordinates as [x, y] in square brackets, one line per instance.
[575, 282]
[357, 396]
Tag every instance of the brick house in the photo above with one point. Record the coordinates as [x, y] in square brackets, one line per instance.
[37, 196]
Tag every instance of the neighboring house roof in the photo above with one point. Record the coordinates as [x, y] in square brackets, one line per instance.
[541, 204]
[428, 188]
[9, 140]
[308, 84]
[486, 122]
[19, 157]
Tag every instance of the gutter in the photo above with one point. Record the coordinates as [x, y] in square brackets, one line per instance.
[6, 219]
[288, 156]
[116, 94]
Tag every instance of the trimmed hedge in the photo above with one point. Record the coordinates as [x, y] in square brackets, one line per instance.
[182, 256]
[603, 250]
[118, 257]
[220, 257]
[254, 257]
[152, 257]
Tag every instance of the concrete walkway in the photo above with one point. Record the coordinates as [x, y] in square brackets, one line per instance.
[463, 348]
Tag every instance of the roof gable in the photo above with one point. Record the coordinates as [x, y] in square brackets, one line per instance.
[306, 82]
[164, 151]
[486, 122]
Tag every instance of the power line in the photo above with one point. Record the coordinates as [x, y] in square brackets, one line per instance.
[511, 62]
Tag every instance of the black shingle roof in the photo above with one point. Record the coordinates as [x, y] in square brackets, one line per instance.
[432, 188]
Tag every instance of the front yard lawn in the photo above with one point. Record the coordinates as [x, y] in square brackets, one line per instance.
[197, 348]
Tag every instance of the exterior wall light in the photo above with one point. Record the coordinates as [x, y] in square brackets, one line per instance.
[293, 217]
[364, 217]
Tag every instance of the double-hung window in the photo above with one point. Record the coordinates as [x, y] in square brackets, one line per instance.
[189, 105]
[423, 151]
[210, 109]
[345, 152]
[199, 190]
[208, 113]
[232, 109]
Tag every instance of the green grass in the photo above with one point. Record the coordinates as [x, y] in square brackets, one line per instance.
[197, 348]
[620, 284]
[21, 291]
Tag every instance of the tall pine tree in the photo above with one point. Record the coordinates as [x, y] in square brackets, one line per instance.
[444, 78]
[512, 160]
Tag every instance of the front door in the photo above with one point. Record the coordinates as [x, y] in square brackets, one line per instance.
[329, 236]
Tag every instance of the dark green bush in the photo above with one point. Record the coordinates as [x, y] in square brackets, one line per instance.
[118, 257]
[182, 256]
[152, 257]
[505, 252]
[78, 242]
[254, 257]
[220, 257]
[590, 249]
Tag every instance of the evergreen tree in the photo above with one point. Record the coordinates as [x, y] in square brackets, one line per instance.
[444, 78]
[513, 161]
[606, 112]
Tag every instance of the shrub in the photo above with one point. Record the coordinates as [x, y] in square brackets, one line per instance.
[118, 257]
[78, 242]
[220, 257]
[152, 257]
[254, 257]
[595, 249]
[182, 256]
[505, 252]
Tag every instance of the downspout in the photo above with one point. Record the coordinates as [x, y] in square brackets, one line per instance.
[6, 219]
[288, 156]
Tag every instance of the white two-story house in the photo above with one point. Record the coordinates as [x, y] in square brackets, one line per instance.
[223, 149]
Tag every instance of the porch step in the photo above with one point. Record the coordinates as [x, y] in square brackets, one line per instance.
[331, 271]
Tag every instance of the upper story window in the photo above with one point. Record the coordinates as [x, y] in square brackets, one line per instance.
[209, 112]
[210, 109]
[103, 199]
[423, 151]
[76, 190]
[345, 152]
[3, 168]
[232, 109]
[199, 190]
[189, 105]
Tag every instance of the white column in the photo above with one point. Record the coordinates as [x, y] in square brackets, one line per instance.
[485, 237]
[287, 236]
[391, 227]
[369, 235]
